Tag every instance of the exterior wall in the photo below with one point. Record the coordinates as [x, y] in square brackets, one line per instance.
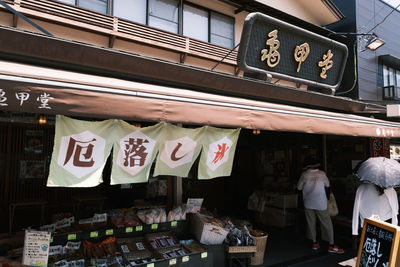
[370, 13]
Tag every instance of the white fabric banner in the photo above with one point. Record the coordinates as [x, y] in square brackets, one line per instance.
[80, 152]
[180, 147]
[134, 152]
[218, 152]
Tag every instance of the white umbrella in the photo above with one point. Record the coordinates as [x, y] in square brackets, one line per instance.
[380, 171]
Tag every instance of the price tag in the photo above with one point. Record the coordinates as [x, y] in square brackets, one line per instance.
[94, 234]
[139, 228]
[129, 230]
[174, 224]
[51, 240]
[109, 231]
[150, 265]
[185, 258]
[154, 226]
[204, 255]
[172, 261]
[71, 236]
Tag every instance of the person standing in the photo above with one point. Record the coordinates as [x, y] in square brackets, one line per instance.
[374, 200]
[316, 189]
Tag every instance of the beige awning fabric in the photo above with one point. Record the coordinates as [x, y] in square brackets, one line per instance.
[60, 92]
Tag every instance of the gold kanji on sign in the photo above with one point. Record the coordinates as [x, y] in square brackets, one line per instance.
[325, 64]
[301, 53]
[272, 55]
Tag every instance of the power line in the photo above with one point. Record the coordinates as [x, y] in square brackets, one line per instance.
[394, 9]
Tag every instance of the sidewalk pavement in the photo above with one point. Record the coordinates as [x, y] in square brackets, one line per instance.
[288, 247]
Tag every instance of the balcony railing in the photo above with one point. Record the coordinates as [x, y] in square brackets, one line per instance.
[391, 92]
[73, 16]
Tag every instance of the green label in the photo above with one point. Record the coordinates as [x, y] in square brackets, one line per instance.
[150, 265]
[172, 261]
[204, 255]
[185, 258]
[154, 226]
[51, 240]
[139, 228]
[109, 231]
[71, 236]
[174, 224]
[94, 234]
[129, 230]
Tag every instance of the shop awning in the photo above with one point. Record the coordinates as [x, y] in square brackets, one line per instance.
[83, 95]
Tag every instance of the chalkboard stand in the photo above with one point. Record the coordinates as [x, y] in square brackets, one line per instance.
[379, 242]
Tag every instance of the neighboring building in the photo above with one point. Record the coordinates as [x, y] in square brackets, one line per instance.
[376, 76]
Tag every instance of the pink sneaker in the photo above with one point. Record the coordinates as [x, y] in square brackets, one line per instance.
[335, 249]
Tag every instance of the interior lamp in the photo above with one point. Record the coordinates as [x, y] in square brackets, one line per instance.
[42, 119]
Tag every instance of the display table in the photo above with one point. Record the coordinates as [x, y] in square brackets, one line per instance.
[14, 205]
[240, 254]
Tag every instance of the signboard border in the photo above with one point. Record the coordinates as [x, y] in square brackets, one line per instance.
[395, 244]
[244, 45]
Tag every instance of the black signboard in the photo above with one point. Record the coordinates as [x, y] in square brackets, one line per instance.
[285, 51]
[379, 245]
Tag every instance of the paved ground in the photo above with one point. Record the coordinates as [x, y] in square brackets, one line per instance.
[288, 247]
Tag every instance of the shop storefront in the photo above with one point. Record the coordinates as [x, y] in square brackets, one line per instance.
[270, 160]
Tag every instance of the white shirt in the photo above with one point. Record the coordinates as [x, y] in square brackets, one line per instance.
[313, 182]
[369, 202]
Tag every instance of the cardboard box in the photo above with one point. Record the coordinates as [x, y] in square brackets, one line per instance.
[276, 217]
[206, 233]
[284, 201]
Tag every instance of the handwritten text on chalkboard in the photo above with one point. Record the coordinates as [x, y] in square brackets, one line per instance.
[376, 247]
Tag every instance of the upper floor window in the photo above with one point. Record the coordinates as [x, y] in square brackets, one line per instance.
[163, 14]
[197, 22]
[391, 76]
[95, 5]
[125, 10]
[391, 83]
[208, 26]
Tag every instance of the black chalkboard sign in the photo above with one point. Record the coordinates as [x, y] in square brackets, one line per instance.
[379, 245]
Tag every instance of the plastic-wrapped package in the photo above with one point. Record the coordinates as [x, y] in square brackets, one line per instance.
[163, 216]
[142, 216]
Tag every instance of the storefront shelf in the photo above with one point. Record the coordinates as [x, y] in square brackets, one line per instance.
[179, 228]
[192, 260]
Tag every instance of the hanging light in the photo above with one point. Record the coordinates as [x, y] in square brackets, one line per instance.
[256, 131]
[42, 119]
[374, 42]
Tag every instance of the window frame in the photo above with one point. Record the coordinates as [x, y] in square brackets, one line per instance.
[209, 11]
[179, 16]
[391, 82]
[198, 7]
[108, 5]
